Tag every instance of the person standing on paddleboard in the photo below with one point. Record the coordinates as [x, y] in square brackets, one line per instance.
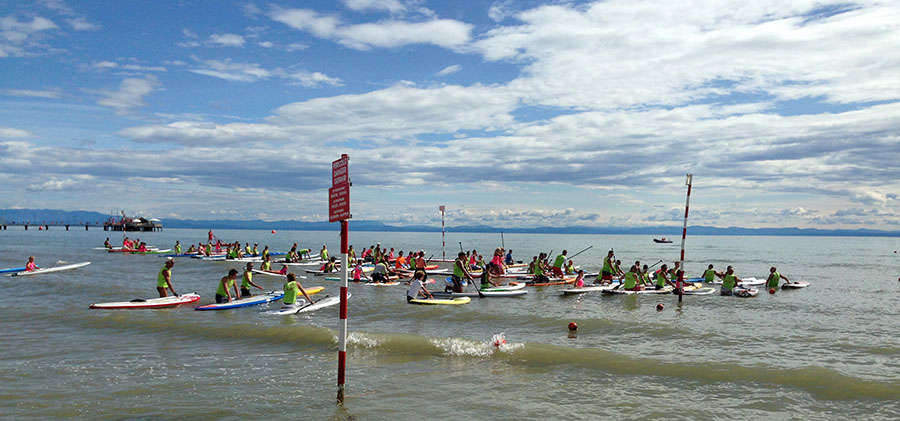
[417, 286]
[420, 263]
[164, 279]
[291, 288]
[247, 281]
[606, 274]
[223, 294]
[459, 272]
[323, 254]
[775, 277]
[558, 263]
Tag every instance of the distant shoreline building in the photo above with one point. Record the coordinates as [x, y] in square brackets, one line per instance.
[138, 223]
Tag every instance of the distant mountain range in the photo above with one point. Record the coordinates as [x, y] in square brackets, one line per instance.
[36, 216]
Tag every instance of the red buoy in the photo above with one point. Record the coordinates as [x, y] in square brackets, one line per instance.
[573, 326]
[273, 231]
[771, 290]
[659, 307]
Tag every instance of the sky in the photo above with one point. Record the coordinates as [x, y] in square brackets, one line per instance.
[509, 113]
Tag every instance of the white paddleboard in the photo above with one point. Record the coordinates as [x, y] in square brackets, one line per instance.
[586, 289]
[171, 301]
[50, 270]
[303, 307]
[793, 285]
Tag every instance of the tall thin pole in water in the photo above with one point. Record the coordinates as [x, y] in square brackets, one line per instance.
[687, 205]
[443, 238]
[342, 334]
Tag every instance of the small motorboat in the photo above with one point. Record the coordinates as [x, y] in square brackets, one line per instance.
[661, 240]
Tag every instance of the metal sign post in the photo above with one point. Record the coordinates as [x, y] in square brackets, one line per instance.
[339, 210]
[443, 238]
[687, 205]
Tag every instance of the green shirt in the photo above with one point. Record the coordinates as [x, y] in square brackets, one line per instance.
[458, 268]
[161, 279]
[560, 260]
[607, 265]
[776, 277]
[248, 277]
[221, 290]
[729, 281]
[630, 280]
[290, 292]
[709, 275]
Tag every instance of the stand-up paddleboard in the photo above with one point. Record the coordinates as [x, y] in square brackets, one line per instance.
[745, 292]
[11, 270]
[665, 290]
[151, 303]
[383, 284]
[245, 302]
[699, 291]
[153, 251]
[50, 270]
[270, 273]
[795, 285]
[439, 301]
[586, 289]
[304, 307]
[553, 281]
[512, 286]
[745, 282]
[485, 293]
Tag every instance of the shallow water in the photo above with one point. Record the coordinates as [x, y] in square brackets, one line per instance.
[825, 352]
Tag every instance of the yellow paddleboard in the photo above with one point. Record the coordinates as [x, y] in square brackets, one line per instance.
[435, 301]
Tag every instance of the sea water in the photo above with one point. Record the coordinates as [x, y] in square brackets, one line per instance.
[830, 351]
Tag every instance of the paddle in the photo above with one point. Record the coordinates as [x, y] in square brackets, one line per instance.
[311, 303]
[582, 251]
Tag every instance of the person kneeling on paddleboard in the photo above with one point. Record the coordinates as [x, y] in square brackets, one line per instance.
[631, 280]
[490, 276]
[223, 294]
[381, 272]
[164, 279]
[247, 281]
[291, 288]
[459, 272]
[662, 277]
[416, 287]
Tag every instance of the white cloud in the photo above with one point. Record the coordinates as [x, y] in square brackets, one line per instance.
[9, 132]
[55, 183]
[614, 54]
[252, 72]
[81, 24]
[312, 79]
[16, 36]
[130, 95]
[228, 70]
[46, 93]
[449, 70]
[500, 10]
[392, 33]
[392, 6]
[227, 40]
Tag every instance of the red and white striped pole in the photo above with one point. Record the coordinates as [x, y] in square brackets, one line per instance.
[687, 205]
[443, 238]
[342, 330]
